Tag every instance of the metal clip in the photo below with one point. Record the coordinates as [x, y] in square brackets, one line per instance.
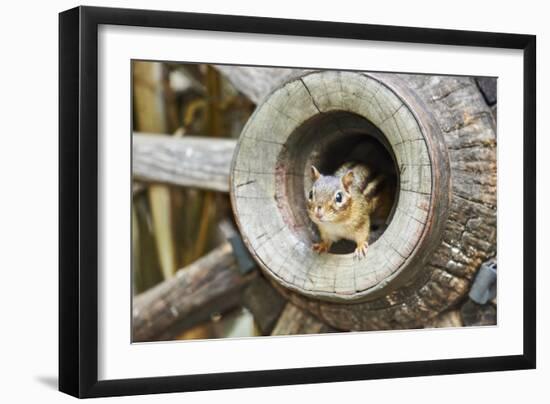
[484, 287]
[244, 260]
[245, 263]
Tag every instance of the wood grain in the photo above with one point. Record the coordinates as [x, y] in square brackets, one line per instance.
[187, 161]
[256, 82]
[469, 235]
[448, 197]
[445, 222]
[269, 175]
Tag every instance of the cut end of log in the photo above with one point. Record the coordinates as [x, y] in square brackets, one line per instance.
[325, 119]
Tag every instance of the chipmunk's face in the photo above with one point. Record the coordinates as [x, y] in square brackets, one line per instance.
[328, 198]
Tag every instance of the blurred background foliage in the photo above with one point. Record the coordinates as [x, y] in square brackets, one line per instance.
[174, 226]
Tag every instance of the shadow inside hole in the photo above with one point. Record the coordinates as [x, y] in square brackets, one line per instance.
[327, 141]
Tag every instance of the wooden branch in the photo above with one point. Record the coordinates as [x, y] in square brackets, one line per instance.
[188, 161]
[294, 320]
[211, 284]
[257, 82]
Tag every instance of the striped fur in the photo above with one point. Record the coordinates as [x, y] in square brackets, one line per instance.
[341, 205]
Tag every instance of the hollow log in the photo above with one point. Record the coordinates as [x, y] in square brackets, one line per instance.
[294, 320]
[211, 284]
[441, 136]
[187, 161]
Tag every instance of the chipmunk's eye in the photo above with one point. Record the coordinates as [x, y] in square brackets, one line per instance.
[338, 197]
[311, 195]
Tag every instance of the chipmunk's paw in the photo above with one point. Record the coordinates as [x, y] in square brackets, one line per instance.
[361, 251]
[321, 247]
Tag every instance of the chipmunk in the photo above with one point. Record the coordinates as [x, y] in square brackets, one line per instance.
[342, 205]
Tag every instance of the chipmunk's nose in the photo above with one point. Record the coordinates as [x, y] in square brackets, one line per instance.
[319, 212]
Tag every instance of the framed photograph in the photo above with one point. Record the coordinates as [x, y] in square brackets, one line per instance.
[251, 201]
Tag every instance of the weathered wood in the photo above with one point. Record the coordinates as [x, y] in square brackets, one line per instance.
[187, 161]
[256, 82]
[469, 237]
[211, 284]
[295, 321]
[459, 221]
[451, 318]
[301, 124]
[264, 302]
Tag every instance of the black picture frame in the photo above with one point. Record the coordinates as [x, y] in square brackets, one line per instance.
[78, 201]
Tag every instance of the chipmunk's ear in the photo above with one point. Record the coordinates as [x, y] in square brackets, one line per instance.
[315, 174]
[347, 180]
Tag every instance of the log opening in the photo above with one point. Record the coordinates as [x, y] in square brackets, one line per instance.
[320, 118]
[327, 141]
